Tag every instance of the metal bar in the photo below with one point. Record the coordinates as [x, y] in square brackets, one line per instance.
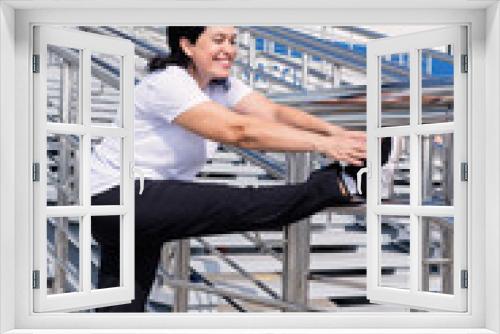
[427, 156]
[251, 60]
[424, 284]
[63, 197]
[447, 252]
[181, 273]
[249, 298]
[227, 299]
[271, 166]
[305, 71]
[448, 169]
[261, 245]
[238, 268]
[296, 264]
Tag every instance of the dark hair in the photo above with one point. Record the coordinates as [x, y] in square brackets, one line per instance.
[177, 55]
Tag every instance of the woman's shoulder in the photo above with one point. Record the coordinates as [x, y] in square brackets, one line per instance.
[171, 78]
[171, 72]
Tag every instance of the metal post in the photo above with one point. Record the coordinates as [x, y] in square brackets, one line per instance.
[296, 253]
[336, 76]
[63, 197]
[182, 255]
[448, 169]
[251, 60]
[446, 269]
[166, 262]
[426, 242]
[427, 156]
[324, 63]
[305, 70]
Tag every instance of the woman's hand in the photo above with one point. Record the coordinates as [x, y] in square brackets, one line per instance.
[347, 146]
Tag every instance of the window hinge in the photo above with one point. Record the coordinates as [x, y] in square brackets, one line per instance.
[36, 279]
[36, 63]
[36, 172]
[465, 279]
[464, 171]
[465, 64]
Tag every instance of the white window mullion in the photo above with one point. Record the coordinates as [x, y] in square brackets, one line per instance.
[98, 210]
[420, 210]
[85, 254]
[460, 156]
[372, 220]
[85, 248]
[415, 156]
[393, 131]
[78, 129]
[40, 157]
[127, 192]
[434, 211]
[388, 209]
[436, 128]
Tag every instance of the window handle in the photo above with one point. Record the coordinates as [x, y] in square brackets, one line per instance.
[136, 171]
[358, 178]
[141, 179]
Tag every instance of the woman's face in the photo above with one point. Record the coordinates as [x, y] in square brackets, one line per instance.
[214, 52]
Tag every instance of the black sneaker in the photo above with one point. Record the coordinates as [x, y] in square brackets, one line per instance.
[349, 173]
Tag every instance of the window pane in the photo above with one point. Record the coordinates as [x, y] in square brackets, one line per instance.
[105, 90]
[63, 84]
[437, 257]
[395, 252]
[63, 169]
[106, 169]
[106, 251]
[437, 84]
[395, 170]
[63, 255]
[395, 90]
[437, 169]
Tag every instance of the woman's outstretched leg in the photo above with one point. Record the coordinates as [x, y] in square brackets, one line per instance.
[176, 210]
[169, 210]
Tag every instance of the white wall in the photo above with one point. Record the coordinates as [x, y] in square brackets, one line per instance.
[492, 167]
[7, 168]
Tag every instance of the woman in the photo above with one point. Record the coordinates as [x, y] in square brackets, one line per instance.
[187, 98]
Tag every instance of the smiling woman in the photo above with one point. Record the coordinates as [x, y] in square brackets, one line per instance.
[17, 18]
[187, 98]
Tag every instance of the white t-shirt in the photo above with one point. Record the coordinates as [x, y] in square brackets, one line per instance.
[163, 149]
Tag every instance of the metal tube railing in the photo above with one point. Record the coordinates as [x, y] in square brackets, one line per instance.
[296, 264]
[181, 293]
[264, 287]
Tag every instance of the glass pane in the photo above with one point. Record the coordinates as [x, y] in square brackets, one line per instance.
[437, 84]
[106, 93]
[395, 90]
[63, 169]
[437, 169]
[395, 252]
[63, 84]
[105, 251]
[105, 169]
[63, 255]
[437, 257]
[395, 170]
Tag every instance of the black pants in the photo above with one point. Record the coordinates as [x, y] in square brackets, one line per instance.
[169, 210]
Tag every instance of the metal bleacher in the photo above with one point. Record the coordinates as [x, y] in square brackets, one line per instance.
[242, 272]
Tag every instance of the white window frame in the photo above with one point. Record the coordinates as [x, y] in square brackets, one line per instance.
[483, 122]
[88, 43]
[411, 44]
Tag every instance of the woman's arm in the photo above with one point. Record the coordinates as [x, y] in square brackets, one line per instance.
[213, 121]
[260, 106]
